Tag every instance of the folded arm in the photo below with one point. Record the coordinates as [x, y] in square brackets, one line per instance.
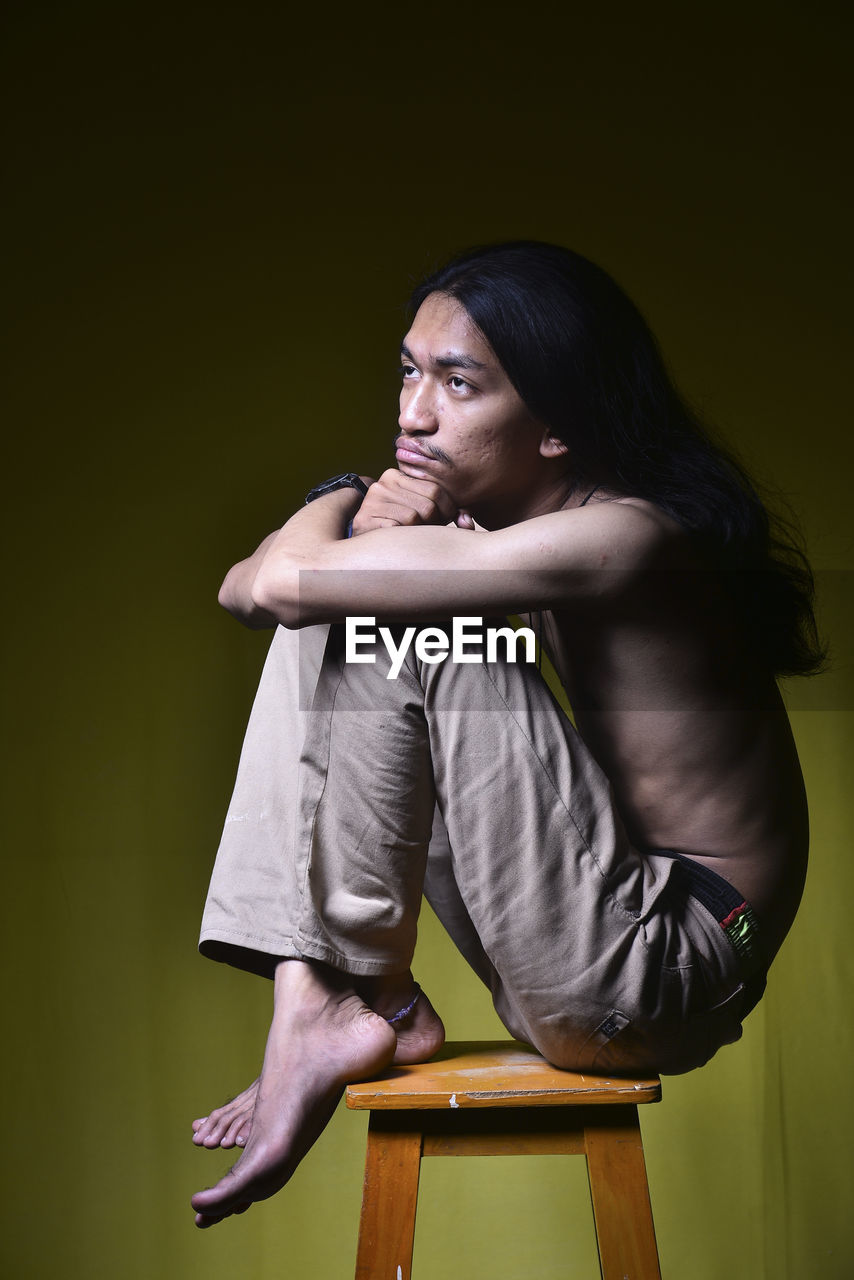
[310, 572]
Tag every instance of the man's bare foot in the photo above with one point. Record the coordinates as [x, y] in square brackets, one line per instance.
[322, 1036]
[419, 1036]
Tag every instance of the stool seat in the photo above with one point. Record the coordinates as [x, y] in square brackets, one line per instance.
[494, 1073]
[503, 1098]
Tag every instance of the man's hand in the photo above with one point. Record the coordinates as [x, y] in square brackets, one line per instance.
[398, 499]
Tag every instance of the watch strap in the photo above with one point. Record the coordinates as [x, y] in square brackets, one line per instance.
[347, 480]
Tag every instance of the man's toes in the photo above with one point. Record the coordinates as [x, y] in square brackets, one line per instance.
[200, 1129]
[238, 1186]
[208, 1219]
[204, 1220]
[230, 1137]
[216, 1130]
[207, 1132]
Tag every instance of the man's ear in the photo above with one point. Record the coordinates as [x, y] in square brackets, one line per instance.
[552, 446]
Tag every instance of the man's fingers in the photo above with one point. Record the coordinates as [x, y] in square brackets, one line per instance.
[425, 494]
[364, 522]
[404, 500]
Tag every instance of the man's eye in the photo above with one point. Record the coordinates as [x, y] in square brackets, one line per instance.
[458, 383]
[407, 370]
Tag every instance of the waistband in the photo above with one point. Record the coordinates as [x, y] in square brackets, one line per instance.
[735, 916]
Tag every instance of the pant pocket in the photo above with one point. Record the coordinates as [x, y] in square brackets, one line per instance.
[704, 1033]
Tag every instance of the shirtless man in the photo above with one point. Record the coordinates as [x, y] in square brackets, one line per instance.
[545, 466]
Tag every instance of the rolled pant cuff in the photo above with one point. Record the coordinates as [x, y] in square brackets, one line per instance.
[261, 956]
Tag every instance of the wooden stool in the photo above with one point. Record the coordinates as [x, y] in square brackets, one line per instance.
[502, 1098]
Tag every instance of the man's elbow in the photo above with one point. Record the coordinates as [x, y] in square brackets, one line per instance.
[235, 597]
[277, 595]
[226, 595]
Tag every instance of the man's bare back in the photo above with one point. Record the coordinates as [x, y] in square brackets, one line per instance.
[693, 737]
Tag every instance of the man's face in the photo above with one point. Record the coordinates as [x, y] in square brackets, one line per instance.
[462, 422]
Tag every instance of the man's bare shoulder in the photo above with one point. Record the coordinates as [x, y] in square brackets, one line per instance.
[618, 533]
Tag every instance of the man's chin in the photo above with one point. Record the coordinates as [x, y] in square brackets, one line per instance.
[409, 469]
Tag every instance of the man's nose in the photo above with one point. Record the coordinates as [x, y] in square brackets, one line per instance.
[417, 410]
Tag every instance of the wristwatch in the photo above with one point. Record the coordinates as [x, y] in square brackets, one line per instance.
[347, 480]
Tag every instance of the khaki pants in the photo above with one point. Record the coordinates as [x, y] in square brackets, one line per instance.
[356, 793]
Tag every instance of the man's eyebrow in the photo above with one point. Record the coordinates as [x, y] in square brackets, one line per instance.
[450, 359]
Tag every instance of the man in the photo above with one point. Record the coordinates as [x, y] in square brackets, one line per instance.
[622, 889]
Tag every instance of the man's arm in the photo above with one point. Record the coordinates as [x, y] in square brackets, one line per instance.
[311, 573]
[392, 501]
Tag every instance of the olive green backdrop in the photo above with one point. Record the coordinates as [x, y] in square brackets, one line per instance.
[213, 217]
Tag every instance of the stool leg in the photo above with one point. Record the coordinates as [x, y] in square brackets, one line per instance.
[620, 1194]
[387, 1225]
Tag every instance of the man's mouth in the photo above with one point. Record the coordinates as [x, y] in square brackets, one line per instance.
[405, 453]
[409, 451]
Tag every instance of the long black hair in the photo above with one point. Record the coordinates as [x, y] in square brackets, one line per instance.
[585, 363]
